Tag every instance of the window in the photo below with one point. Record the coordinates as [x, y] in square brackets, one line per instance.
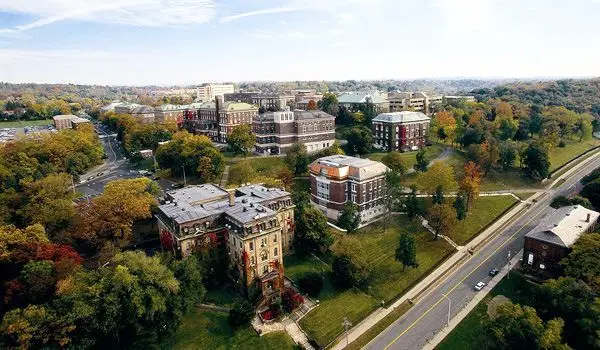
[263, 256]
[323, 189]
[353, 187]
[354, 197]
[263, 242]
[251, 246]
[530, 259]
[252, 260]
[275, 251]
[265, 269]
[241, 245]
[275, 238]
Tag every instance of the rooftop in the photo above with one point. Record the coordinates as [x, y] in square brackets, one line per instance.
[316, 114]
[64, 117]
[142, 110]
[345, 166]
[361, 97]
[401, 117]
[563, 226]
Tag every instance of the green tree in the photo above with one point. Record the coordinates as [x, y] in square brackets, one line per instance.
[439, 174]
[349, 218]
[350, 268]
[241, 172]
[591, 191]
[438, 195]
[329, 104]
[412, 204]
[360, 140]
[508, 155]
[406, 253]
[241, 139]
[507, 129]
[422, 162]
[584, 128]
[460, 204]
[241, 313]
[312, 232]
[296, 158]
[582, 261]
[393, 160]
[536, 162]
[517, 327]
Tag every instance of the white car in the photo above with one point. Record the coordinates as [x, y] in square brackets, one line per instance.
[479, 286]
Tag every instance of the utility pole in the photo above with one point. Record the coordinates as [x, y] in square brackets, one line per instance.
[346, 325]
[449, 305]
[508, 273]
[184, 182]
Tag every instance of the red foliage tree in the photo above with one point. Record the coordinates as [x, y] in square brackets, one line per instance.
[291, 299]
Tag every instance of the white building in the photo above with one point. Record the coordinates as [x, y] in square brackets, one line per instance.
[208, 92]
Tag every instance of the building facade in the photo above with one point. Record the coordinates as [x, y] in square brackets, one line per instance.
[63, 121]
[357, 101]
[209, 92]
[274, 102]
[144, 114]
[253, 225]
[217, 119]
[414, 101]
[277, 131]
[456, 98]
[551, 240]
[400, 131]
[169, 113]
[338, 179]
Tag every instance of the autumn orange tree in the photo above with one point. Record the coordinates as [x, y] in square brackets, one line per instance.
[470, 183]
[111, 215]
[312, 105]
[446, 125]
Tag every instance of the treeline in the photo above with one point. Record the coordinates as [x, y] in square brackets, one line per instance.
[581, 96]
[28, 107]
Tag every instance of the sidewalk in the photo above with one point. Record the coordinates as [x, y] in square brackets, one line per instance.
[454, 321]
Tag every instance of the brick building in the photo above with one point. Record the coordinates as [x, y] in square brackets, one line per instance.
[551, 240]
[400, 131]
[269, 101]
[337, 179]
[277, 131]
[169, 113]
[217, 119]
[253, 225]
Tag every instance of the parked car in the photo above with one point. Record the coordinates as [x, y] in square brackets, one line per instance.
[479, 286]
[100, 174]
[493, 272]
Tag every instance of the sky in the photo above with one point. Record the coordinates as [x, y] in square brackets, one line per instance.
[181, 42]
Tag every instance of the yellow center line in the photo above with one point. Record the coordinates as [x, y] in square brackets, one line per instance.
[472, 271]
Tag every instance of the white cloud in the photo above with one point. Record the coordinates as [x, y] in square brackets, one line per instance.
[154, 13]
[266, 11]
[336, 32]
[463, 16]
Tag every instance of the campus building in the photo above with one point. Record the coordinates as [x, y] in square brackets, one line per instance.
[68, 121]
[337, 179]
[169, 113]
[551, 240]
[217, 119]
[414, 101]
[356, 101]
[277, 131]
[400, 131]
[253, 224]
[209, 92]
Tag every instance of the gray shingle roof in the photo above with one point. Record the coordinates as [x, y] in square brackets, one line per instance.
[563, 226]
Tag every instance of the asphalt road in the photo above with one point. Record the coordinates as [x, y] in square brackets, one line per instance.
[429, 314]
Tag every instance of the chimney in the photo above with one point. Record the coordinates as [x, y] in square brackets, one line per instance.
[231, 198]
[589, 216]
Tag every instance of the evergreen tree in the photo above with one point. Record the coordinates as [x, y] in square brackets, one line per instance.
[406, 253]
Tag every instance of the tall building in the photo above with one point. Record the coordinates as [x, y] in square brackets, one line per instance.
[551, 240]
[338, 179]
[415, 101]
[217, 119]
[277, 131]
[253, 225]
[209, 92]
[400, 131]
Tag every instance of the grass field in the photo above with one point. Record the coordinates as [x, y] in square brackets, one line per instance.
[410, 158]
[379, 327]
[483, 212]
[264, 166]
[468, 333]
[24, 123]
[210, 330]
[562, 155]
[324, 323]
[525, 195]
[222, 297]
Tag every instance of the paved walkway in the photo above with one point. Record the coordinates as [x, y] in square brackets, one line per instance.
[225, 176]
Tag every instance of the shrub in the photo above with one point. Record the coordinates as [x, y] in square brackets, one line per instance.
[291, 299]
[241, 313]
[591, 176]
[562, 144]
[311, 284]
[560, 201]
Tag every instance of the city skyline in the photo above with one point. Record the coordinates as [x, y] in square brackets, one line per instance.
[183, 42]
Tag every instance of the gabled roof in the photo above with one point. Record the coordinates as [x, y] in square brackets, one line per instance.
[563, 226]
[142, 110]
[341, 166]
[401, 117]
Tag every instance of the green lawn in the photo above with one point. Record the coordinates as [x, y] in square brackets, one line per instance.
[210, 330]
[410, 158]
[264, 166]
[324, 323]
[468, 333]
[525, 195]
[301, 185]
[483, 212]
[379, 327]
[24, 123]
[221, 297]
[562, 155]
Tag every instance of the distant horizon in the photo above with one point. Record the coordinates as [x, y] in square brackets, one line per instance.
[193, 85]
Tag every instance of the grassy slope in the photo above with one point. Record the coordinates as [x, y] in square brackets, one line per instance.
[210, 330]
[561, 155]
[389, 281]
[24, 123]
[410, 158]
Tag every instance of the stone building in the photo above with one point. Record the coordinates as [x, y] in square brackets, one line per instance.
[551, 240]
[414, 101]
[63, 121]
[277, 131]
[217, 119]
[338, 179]
[253, 224]
[355, 101]
[208, 92]
[169, 113]
[400, 131]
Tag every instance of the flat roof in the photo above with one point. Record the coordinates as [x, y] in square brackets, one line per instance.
[401, 117]
[563, 226]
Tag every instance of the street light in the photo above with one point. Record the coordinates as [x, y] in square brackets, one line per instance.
[346, 325]
[508, 266]
[449, 305]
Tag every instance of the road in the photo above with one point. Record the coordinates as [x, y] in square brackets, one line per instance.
[429, 314]
[115, 167]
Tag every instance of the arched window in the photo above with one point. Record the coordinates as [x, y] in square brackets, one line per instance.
[264, 255]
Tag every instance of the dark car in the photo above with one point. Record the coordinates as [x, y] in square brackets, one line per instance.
[493, 272]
